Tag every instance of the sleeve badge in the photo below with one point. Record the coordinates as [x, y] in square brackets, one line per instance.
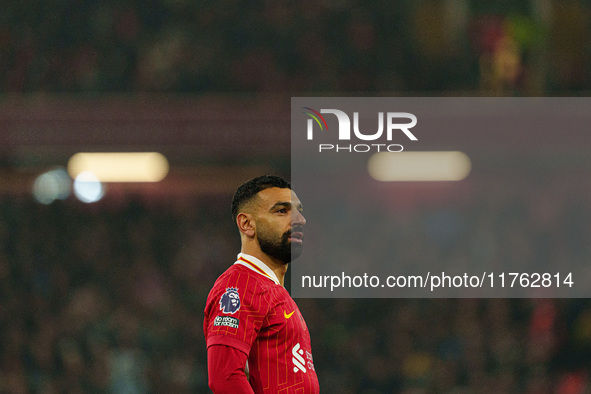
[230, 301]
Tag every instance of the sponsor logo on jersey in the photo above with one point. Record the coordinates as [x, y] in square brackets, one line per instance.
[310, 362]
[288, 315]
[298, 359]
[227, 321]
[230, 301]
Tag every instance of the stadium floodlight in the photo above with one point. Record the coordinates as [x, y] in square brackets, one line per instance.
[88, 188]
[419, 166]
[120, 166]
[52, 185]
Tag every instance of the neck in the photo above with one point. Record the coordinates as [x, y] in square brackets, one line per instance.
[278, 267]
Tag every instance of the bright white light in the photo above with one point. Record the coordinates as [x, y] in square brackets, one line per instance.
[51, 186]
[120, 166]
[419, 166]
[88, 188]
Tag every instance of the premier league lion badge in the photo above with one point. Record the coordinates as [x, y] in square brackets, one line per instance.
[230, 301]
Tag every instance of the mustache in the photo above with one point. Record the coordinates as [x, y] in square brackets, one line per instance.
[294, 229]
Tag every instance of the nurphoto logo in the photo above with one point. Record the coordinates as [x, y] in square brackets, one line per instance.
[395, 122]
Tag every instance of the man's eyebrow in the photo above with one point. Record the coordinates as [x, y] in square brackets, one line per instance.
[286, 204]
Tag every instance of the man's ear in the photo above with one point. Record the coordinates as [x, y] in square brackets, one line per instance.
[246, 224]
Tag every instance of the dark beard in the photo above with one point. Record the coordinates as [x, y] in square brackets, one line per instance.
[281, 249]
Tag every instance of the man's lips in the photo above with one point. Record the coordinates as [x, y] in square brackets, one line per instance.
[296, 236]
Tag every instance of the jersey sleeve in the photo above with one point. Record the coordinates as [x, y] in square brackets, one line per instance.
[226, 370]
[235, 311]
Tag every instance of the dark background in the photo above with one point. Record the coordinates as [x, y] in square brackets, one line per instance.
[108, 297]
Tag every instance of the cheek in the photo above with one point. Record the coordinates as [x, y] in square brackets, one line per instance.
[270, 227]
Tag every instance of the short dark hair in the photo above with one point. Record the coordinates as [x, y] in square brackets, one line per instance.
[249, 189]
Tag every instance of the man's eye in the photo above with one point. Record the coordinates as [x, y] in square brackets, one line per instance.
[282, 210]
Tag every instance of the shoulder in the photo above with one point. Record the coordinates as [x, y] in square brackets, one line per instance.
[242, 283]
[240, 276]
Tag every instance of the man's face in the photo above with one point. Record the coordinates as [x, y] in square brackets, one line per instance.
[279, 224]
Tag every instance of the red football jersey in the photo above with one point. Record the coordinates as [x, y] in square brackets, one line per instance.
[249, 310]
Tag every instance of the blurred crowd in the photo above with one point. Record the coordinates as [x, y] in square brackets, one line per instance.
[109, 298]
[520, 47]
[106, 299]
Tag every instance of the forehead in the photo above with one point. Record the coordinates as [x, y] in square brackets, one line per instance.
[273, 195]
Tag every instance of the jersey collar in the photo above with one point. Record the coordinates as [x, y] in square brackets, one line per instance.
[257, 266]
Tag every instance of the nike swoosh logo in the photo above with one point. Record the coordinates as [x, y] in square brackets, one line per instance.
[287, 316]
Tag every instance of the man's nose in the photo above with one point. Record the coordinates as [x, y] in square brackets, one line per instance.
[298, 218]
